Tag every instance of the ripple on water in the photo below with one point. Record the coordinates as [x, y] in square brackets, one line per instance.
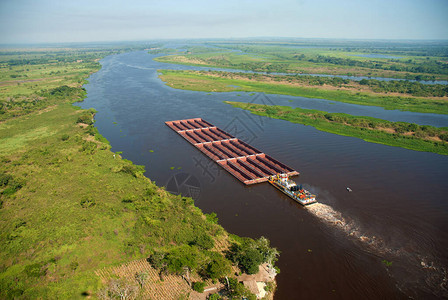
[421, 270]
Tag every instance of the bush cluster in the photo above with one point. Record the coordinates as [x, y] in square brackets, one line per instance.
[250, 254]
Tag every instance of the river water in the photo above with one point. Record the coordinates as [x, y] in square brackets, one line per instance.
[387, 239]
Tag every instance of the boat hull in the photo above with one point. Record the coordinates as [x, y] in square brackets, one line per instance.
[303, 202]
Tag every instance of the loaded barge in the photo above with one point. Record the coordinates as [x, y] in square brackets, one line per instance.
[244, 162]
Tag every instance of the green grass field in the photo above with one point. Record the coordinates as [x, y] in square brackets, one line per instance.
[341, 60]
[69, 206]
[197, 81]
[80, 208]
[398, 134]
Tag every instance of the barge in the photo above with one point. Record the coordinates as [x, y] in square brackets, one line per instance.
[243, 161]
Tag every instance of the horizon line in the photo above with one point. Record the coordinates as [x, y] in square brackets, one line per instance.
[261, 38]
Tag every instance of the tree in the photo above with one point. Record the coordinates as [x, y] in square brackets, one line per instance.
[157, 260]
[212, 218]
[219, 267]
[249, 254]
[141, 277]
[214, 297]
[118, 288]
[250, 261]
[237, 290]
[198, 286]
[269, 254]
[183, 256]
[364, 82]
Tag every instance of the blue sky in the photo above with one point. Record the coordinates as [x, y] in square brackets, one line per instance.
[39, 21]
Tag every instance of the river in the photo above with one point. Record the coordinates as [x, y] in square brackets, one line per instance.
[387, 239]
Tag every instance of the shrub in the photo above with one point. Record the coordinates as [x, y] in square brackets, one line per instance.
[269, 287]
[270, 111]
[149, 192]
[129, 198]
[444, 137]
[141, 277]
[118, 289]
[88, 147]
[329, 117]
[4, 179]
[10, 184]
[237, 290]
[86, 118]
[91, 130]
[65, 137]
[214, 297]
[64, 91]
[87, 202]
[74, 265]
[199, 286]
[35, 270]
[219, 267]
[249, 254]
[157, 260]
[212, 218]
[130, 168]
[204, 241]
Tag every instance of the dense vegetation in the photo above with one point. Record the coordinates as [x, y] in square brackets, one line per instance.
[408, 88]
[69, 206]
[429, 66]
[399, 134]
[415, 61]
[246, 253]
[296, 86]
[249, 254]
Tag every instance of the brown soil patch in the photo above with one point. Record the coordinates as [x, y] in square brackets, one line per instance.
[433, 138]
[388, 130]
[90, 138]
[183, 59]
[50, 108]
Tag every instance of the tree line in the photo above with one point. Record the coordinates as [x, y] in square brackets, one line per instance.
[430, 66]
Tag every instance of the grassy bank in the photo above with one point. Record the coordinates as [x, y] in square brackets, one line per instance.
[70, 207]
[398, 134]
[207, 82]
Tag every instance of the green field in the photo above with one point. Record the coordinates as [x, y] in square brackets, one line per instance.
[70, 206]
[398, 134]
[418, 62]
[221, 82]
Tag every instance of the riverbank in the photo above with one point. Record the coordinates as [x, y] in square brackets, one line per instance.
[397, 134]
[70, 206]
[219, 82]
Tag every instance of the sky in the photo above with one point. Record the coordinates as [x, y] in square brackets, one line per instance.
[54, 21]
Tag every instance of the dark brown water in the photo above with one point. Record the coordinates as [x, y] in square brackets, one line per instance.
[397, 212]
